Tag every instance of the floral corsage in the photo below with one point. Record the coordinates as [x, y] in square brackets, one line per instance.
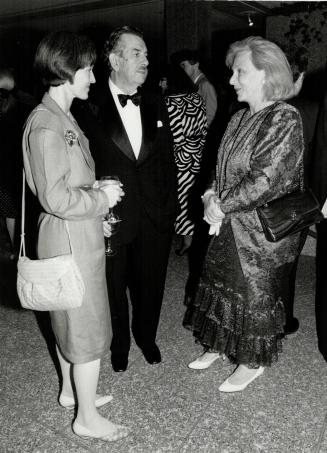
[70, 137]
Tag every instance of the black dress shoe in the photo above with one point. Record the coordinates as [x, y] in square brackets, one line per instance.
[119, 362]
[152, 355]
[291, 326]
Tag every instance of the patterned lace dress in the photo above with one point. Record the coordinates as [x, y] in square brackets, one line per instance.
[188, 123]
[238, 307]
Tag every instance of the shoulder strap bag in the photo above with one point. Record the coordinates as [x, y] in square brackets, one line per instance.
[51, 283]
[290, 213]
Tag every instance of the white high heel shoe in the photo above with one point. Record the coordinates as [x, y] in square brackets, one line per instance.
[204, 361]
[227, 387]
[68, 402]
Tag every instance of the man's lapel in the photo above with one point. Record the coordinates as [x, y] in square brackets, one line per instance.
[114, 127]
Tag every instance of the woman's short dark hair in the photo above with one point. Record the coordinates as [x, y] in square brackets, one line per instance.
[178, 82]
[112, 44]
[268, 56]
[60, 54]
[192, 56]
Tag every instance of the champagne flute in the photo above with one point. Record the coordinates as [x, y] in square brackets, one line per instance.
[111, 217]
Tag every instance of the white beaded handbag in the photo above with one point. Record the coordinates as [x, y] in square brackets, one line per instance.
[51, 283]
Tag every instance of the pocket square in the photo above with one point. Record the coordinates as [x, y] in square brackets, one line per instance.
[159, 123]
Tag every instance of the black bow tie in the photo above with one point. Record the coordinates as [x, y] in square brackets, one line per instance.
[135, 98]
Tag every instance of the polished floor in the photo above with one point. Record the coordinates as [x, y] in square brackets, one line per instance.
[168, 407]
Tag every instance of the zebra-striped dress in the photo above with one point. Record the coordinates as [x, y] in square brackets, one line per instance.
[188, 123]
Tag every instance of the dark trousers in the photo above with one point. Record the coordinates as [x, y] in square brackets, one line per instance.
[289, 291]
[140, 266]
[196, 258]
[321, 287]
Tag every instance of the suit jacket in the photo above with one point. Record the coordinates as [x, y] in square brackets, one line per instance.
[150, 182]
[208, 93]
[57, 163]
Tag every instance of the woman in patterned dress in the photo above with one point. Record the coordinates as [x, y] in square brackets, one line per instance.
[238, 308]
[58, 167]
[188, 123]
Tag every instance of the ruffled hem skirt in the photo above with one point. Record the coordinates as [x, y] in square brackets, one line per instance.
[241, 317]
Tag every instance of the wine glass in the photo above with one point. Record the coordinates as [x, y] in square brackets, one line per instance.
[111, 217]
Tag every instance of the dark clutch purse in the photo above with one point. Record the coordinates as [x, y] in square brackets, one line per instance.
[289, 214]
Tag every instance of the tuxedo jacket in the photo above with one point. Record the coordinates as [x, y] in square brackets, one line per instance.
[149, 182]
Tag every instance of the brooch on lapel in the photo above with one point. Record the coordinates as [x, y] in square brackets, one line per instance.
[70, 137]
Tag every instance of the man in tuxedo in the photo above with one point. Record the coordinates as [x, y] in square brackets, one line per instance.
[132, 139]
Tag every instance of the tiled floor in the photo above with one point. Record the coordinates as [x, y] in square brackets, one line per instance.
[169, 407]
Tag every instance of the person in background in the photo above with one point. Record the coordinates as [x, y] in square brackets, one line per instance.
[318, 183]
[58, 167]
[163, 85]
[131, 138]
[238, 308]
[12, 116]
[189, 62]
[188, 123]
[308, 110]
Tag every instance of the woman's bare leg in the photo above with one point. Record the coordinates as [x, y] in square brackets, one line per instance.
[67, 389]
[187, 240]
[86, 377]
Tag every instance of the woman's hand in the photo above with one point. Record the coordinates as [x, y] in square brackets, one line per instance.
[324, 210]
[106, 228]
[212, 212]
[114, 193]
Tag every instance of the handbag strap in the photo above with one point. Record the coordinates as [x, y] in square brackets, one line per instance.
[22, 249]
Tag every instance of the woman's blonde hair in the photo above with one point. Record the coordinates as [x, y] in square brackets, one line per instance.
[267, 56]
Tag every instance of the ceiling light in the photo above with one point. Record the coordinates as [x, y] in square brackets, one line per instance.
[251, 23]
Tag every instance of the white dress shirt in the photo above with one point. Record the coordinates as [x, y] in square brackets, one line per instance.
[131, 118]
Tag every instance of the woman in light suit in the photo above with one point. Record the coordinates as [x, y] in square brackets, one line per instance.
[60, 172]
